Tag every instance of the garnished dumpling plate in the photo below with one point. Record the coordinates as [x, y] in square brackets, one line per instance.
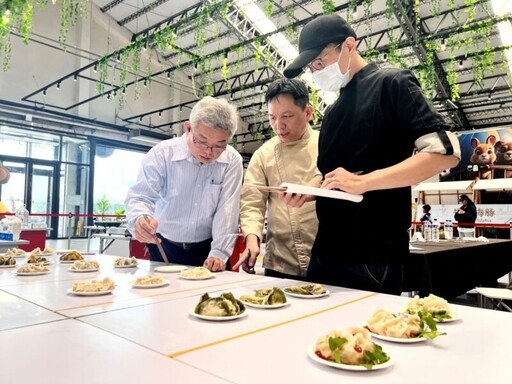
[312, 354]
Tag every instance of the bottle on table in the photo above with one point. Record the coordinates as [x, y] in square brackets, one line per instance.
[427, 230]
[22, 213]
[448, 229]
[435, 230]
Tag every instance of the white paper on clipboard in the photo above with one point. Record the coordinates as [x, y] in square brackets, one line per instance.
[306, 190]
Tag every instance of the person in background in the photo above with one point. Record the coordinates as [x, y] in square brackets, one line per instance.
[377, 139]
[426, 213]
[188, 191]
[290, 156]
[5, 175]
[466, 215]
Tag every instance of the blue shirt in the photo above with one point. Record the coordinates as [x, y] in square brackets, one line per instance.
[191, 201]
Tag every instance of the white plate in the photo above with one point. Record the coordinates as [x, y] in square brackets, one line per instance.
[15, 256]
[83, 270]
[8, 266]
[197, 277]
[100, 293]
[313, 355]
[149, 285]
[32, 273]
[217, 318]
[265, 306]
[398, 339]
[170, 268]
[306, 296]
[126, 266]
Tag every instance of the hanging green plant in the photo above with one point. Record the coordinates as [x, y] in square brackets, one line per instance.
[451, 78]
[328, 6]
[268, 8]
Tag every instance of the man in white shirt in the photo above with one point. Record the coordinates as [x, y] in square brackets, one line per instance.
[187, 191]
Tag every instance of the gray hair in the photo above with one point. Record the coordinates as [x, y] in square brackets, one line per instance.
[215, 113]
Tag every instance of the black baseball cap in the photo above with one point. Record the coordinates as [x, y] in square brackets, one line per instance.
[314, 37]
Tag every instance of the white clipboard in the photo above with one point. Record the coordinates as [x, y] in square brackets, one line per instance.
[306, 190]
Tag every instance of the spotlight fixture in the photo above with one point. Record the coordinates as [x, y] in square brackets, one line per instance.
[489, 97]
[140, 119]
[384, 56]
[354, 11]
[145, 83]
[123, 91]
[58, 86]
[500, 108]
[169, 75]
[95, 68]
[461, 64]
[118, 57]
[44, 92]
[145, 46]
[160, 114]
[75, 77]
[195, 67]
[231, 97]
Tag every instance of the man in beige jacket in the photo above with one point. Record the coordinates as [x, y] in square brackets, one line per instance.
[290, 156]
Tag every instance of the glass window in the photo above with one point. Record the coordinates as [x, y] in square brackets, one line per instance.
[115, 170]
[36, 145]
[75, 150]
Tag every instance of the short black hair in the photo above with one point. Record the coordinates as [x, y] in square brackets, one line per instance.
[464, 198]
[427, 207]
[293, 87]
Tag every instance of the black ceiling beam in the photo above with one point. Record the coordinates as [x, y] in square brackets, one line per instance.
[141, 12]
[109, 6]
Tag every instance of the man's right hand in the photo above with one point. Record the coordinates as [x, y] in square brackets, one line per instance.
[145, 231]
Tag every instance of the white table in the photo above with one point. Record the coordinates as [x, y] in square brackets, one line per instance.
[107, 240]
[16, 313]
[153, 329]
[6, 244]
[70, 351]
[92, 229]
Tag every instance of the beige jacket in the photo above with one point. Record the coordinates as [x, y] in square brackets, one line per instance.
[290, 231]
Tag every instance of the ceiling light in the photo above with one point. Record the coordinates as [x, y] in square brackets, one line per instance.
[44, 92]
[354, 11]
[95, 68]
[58, 86]
[75, 77]
[461, 64]
[160, 114]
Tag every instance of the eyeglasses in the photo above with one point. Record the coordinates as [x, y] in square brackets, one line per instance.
[318, 63]
[203, 146]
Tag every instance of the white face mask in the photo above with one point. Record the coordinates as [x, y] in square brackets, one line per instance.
[330, 78]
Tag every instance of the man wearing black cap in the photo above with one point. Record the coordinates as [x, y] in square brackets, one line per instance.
[366, 146]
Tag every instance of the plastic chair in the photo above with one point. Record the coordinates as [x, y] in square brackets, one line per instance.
[496, 296]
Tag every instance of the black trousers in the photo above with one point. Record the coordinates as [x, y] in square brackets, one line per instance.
[193, 254]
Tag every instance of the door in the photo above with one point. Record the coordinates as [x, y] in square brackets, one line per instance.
[41, 189]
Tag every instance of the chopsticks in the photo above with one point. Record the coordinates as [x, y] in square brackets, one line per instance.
[157, 241]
